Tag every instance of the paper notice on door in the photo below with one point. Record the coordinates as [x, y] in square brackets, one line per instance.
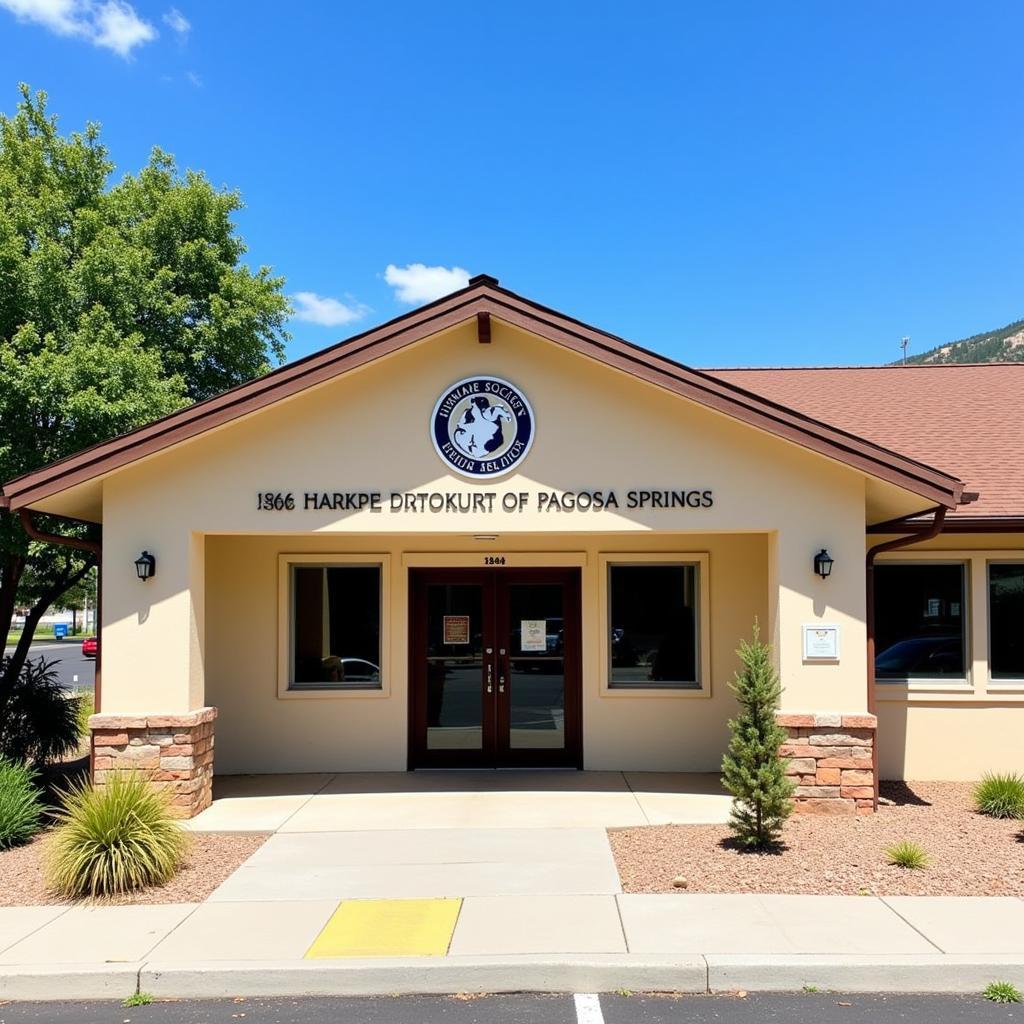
[533, 635]
[456, 629]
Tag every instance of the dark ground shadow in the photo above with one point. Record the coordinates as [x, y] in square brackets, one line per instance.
[899, 794]
[734, 846]
[57, 778]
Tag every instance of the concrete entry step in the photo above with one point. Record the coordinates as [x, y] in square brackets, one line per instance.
[364, 801]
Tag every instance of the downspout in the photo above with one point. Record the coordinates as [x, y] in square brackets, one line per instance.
[95, 548]
[938, 521]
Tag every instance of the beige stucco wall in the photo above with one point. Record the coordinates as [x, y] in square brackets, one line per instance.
[204, 629]
[257, 730]
[943, 740]
[955, 729]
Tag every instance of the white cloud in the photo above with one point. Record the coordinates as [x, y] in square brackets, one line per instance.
[193, 79]
[113, 24]
[119, 28]
[56, 15]
[416, 282]
[177, 22]
[325, 311]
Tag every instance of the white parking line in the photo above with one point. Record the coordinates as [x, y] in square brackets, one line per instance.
[588, 1008]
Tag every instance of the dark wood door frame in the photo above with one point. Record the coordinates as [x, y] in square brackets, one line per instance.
[496, 752]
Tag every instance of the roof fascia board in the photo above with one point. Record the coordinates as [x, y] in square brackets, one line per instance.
[486, 297]
[768, 416]
[215, 412]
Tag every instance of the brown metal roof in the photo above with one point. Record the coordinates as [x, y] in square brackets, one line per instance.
[484, 295]
[967, 419]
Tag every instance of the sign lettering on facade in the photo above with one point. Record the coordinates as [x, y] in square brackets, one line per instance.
[597, 500]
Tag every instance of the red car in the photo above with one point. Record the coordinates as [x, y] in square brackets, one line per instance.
[89, 646]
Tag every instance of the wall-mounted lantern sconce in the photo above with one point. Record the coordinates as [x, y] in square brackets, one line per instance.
[145, 566]
[823, 562]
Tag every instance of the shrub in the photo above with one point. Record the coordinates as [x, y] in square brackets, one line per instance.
[907, 855]
[752, 769]
[20, 805]
[85, 710]
[1000, 795]
[38, 721]
[1003, 992]
[114, 838]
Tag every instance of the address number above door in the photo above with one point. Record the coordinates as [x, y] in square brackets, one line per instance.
[482, 427]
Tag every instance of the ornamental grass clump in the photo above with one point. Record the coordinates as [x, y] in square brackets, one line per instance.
[907, 855]
[20, 806]
[1000, 795]
[114, 839]
[1002, 992]
[752, 770]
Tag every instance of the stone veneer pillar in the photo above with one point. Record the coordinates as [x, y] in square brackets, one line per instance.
[175, 752]
[831, 761]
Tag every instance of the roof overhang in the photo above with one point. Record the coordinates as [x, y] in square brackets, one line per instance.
[483, 296]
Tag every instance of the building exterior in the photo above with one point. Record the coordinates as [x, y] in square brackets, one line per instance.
[486, 534]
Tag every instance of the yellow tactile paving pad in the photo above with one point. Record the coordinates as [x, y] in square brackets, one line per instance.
[387, 928]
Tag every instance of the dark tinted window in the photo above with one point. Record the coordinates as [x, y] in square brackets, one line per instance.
[336, 624]
[653, 626]
[919, 621]
[1006, 620]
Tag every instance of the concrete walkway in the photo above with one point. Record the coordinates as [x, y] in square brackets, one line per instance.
[487, 882]
[554, 942]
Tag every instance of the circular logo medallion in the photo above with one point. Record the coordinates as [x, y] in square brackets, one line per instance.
[482, 427]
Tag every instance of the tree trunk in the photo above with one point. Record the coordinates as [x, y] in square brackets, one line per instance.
[10, 576]
[16, 661]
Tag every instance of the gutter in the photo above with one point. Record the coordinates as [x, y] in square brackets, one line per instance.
[95, 548]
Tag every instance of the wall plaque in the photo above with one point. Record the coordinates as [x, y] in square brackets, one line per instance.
[821, 643]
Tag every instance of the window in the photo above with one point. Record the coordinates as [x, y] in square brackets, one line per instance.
[1006, 619]
[919, 621]
[336, 614]
[652, 623]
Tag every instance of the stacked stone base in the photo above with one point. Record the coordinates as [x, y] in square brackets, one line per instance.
[175, 752]
[831, 760]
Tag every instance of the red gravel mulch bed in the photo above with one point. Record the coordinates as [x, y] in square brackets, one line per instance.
[212, 858]
[971, 855]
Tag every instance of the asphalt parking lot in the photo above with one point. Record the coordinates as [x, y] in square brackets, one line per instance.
[766, 1008]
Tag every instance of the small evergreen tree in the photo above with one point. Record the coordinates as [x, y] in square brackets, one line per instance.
[752, 770]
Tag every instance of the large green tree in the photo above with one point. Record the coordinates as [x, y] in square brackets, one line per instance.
[119, 302]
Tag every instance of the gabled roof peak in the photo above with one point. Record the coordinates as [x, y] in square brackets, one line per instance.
[483, 295]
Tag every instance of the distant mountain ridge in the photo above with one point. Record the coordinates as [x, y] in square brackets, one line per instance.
[1005, 345]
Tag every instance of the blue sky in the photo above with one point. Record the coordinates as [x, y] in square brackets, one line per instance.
[725, 183]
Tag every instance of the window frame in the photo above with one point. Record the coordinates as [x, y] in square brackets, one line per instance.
[286, 626]
[940, 684]
[700, 562]
[1002, 682]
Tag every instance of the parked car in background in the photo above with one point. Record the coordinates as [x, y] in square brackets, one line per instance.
[90, 645]
[921, 656]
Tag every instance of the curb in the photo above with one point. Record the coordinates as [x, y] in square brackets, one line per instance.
[420, 976]
[69, 981]
[714, 973]
[927, 973]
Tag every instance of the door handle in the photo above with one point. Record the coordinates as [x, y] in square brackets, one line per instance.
[501, 683]
[490, 677]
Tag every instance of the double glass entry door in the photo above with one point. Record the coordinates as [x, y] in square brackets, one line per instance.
[495, 679]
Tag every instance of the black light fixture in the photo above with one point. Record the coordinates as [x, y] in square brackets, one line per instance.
[145, 566]
[823, 562]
